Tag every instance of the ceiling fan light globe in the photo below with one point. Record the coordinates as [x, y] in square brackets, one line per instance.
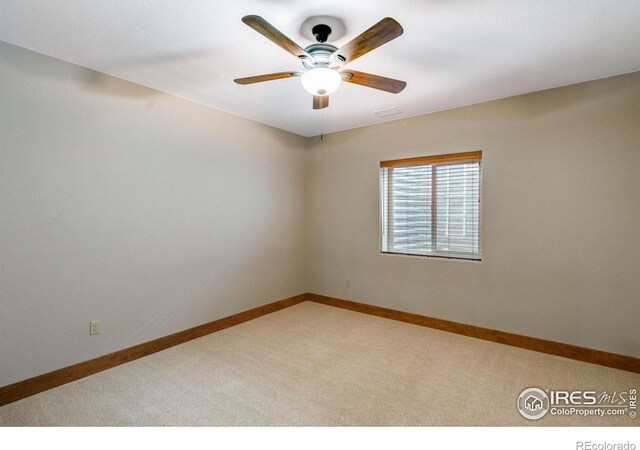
[321, 81]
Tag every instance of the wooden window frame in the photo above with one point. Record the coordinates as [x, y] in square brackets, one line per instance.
[434, 161]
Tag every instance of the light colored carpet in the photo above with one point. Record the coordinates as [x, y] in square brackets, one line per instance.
[317, 365]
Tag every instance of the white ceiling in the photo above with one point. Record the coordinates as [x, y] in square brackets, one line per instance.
[452, 53]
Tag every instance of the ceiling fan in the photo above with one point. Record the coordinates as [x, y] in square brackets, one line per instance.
[323, 63]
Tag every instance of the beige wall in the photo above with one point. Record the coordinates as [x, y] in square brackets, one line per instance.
[148, 212]
[561, 249]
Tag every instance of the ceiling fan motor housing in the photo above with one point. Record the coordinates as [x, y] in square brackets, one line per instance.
[321, 54]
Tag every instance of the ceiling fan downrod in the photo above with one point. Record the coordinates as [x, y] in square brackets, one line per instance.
[321, 32]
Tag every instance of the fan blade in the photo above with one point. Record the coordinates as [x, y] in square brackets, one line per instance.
[320, 101]
[267, 77]
[381, 33]
[270, 32]
[374, 81]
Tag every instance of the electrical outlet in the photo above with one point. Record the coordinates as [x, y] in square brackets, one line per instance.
[94, 327]
[347, 283]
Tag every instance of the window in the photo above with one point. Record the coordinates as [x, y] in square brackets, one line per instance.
[431, 206]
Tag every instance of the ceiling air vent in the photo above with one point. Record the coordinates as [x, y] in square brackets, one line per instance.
[387, 112]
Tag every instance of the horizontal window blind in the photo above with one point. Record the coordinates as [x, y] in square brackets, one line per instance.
[431, 206]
